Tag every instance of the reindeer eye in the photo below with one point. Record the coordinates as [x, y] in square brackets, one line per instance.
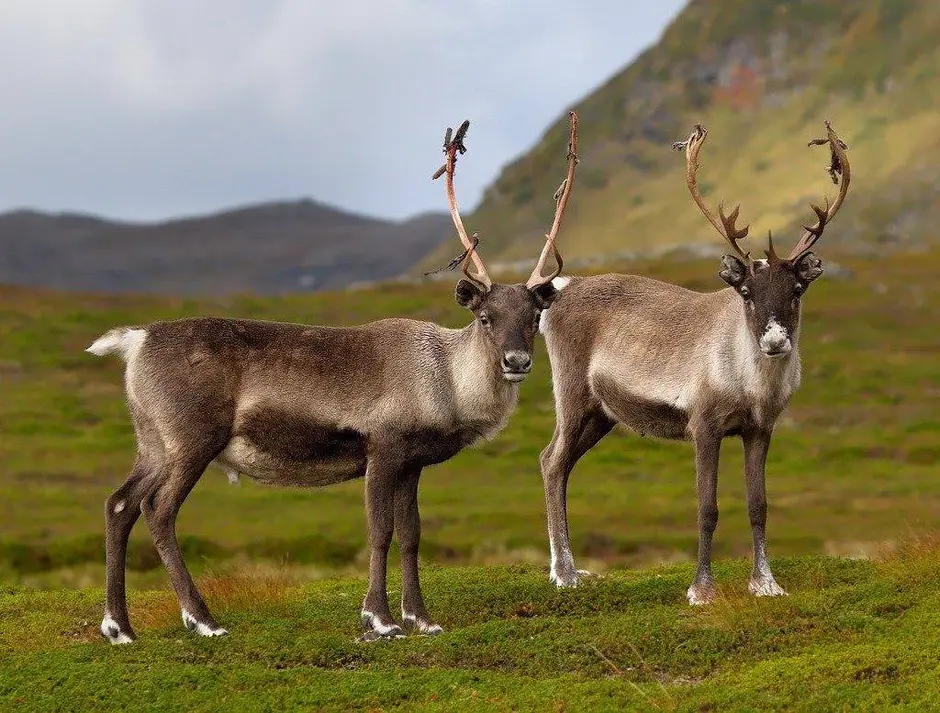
[798, 288]
[484, 320]
[745, 293]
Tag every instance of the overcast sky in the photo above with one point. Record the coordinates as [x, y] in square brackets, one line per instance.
[146, 109]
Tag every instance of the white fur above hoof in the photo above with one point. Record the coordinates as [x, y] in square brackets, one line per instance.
[111, 631]
[197, 627]
[422, 627]
[700, 594]
[376, 630]
[570, 579]
[766, 587]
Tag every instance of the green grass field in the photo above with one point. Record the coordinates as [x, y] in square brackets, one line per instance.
[852, 472]
[854, 634]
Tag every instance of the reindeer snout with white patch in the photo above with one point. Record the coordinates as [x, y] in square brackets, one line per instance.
[775, 341]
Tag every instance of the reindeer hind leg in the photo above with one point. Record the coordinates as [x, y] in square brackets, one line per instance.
[573, 438]
[160, 509]
[122, 509]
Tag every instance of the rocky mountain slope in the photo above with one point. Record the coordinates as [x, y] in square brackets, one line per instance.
[762, 75]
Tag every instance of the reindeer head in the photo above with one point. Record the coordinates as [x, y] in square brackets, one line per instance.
[771, 289]
[507, 316]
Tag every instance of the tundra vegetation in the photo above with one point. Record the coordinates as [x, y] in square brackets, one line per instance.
[852, 488]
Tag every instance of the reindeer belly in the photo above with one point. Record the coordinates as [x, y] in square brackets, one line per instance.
[285, 449]
[646, 416]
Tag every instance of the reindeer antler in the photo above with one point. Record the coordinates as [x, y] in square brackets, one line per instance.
[561, 202]
[726, 225]
[453, 143]
[838, 166]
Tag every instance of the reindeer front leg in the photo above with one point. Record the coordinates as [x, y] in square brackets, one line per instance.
[408, 528]
[707, 448]
[381, 480]
[756, 445]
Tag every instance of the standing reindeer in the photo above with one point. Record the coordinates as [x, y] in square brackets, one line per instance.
[678, 364]
[291, 404]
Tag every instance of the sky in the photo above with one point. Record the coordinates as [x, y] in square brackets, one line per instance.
[149, 109]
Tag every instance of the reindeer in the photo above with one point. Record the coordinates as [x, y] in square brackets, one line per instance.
[299, 405]
[678, 364]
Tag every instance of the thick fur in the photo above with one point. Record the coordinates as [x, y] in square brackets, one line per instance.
[659, 357]
[677, 364]
[293, 404]
[302, 405]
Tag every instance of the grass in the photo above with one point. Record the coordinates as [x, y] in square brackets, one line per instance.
[852, 472]
[853, 634]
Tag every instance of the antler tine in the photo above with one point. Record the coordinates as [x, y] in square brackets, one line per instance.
[561, 202]
[733, 233]
[453, 143]
[726, 225]
[838, 166]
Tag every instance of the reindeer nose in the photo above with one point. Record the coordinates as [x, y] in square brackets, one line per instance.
[518, 362]
[775, 340]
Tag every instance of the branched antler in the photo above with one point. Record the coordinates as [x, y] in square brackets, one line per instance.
[724, 224]
[453, 144]
[562, 194]
[457, 261]
[838, 167]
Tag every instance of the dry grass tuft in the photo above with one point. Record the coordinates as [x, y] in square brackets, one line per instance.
[226, 591]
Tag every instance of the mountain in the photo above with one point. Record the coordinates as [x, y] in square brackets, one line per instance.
[267, 249]
[762, 75]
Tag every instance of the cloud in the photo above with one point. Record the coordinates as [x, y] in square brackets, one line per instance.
[150, 108]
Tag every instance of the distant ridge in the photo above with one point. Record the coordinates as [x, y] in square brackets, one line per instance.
[268, 248]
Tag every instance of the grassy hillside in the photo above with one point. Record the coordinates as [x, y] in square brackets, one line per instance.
[762, 75]
[856, 635]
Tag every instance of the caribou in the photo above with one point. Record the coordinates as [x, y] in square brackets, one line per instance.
[677, 364]
[300, 405]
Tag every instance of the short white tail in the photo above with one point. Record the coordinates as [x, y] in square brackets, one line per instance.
[120, 340]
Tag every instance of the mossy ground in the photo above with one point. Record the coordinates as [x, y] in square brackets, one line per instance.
[853, 634]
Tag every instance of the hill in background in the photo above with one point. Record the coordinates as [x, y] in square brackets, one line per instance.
[762, 75]
[266, 249]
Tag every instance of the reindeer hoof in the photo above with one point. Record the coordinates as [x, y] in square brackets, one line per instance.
[112, 631]
[376, 629]
[420, 626]
[197, 627]
[766, 587]
[393, 632]
[569, 579]
[699, 594]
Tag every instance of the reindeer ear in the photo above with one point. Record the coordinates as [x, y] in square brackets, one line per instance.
[544, 294]
[468, 295]
[735, 271]
[809, 267]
